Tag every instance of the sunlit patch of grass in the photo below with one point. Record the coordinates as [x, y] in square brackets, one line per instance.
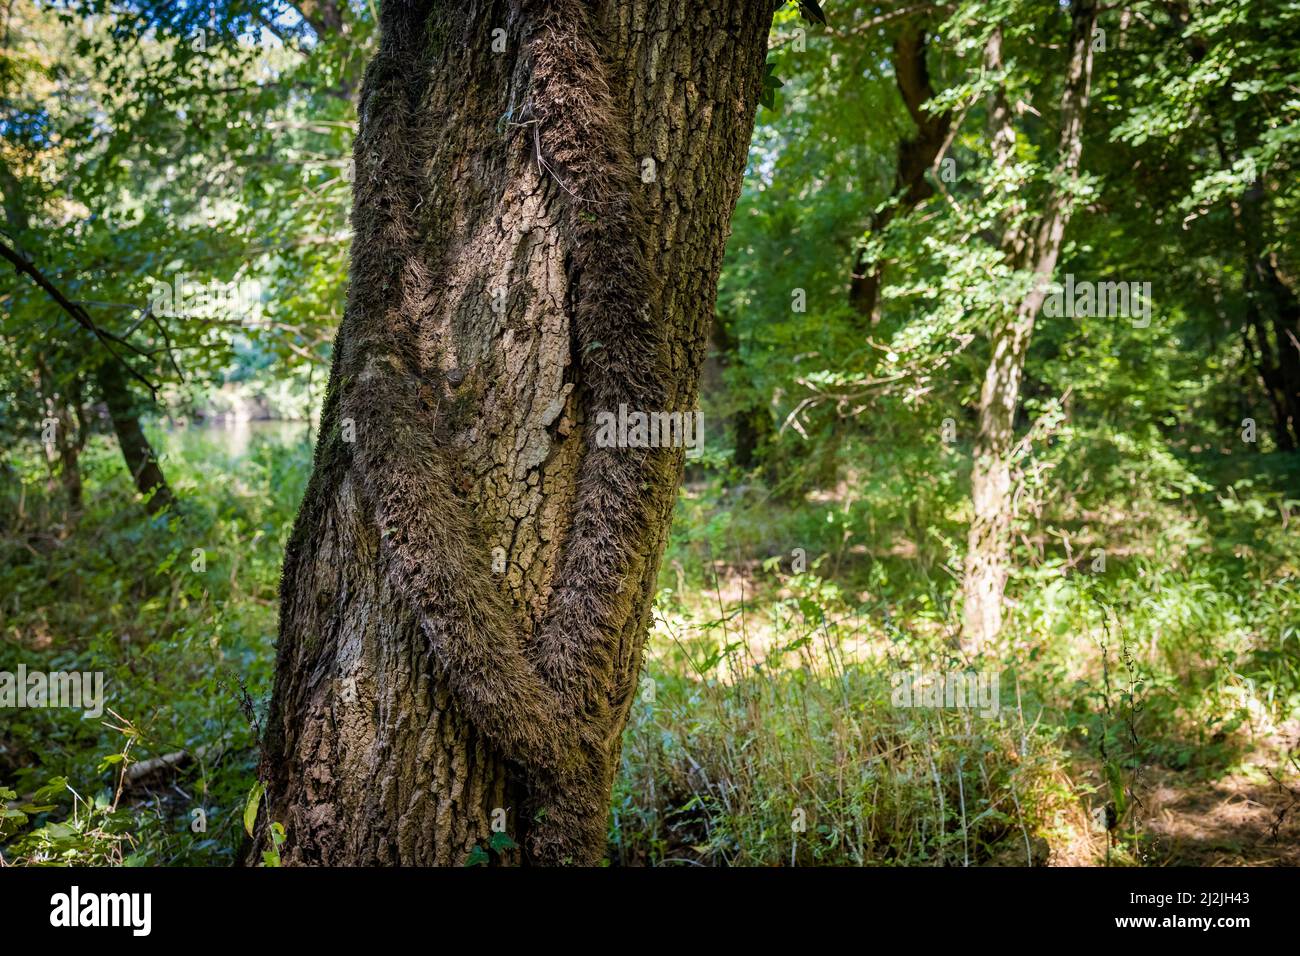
[767, 733]
[771, 688]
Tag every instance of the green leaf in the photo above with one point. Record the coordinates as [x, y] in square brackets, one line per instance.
[250, 808]
[500, 842]
[771, 83]
[51, 790]
[477, 857]
[110, 760]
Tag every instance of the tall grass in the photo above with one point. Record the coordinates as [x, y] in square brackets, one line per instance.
[769, 737]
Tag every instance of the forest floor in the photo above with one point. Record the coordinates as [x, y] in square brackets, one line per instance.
[1246, 815]
[1245, 818]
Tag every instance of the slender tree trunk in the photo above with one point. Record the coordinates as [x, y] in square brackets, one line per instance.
[69, 464]
[916, 156]
[1271, 326]
[538, 230]
[136, 450]
[1273, 317]
[66, 445]
[1032, 244]
[1259, 344]
[67, 440]
[1284, 312]
[752, 421]
[138, 454]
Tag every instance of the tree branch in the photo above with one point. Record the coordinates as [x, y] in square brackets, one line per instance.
[25, 266]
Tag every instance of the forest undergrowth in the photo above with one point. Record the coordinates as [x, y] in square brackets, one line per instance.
[1144, 714]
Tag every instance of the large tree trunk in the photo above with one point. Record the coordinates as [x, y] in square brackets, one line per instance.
[467, 588]
[1034, 245]
[138, 454]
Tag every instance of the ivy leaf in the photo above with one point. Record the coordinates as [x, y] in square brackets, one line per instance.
[477, 857]
[500, 842]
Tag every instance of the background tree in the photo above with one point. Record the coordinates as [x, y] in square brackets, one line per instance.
[1032, 238]
[147, 151]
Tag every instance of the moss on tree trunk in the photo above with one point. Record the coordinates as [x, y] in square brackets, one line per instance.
[541, 203]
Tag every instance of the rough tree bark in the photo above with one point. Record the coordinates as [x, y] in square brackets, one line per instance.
[538, 230]
[138, 454]
[1033, 244]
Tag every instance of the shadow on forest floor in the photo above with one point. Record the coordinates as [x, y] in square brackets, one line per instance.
[1235, 821]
